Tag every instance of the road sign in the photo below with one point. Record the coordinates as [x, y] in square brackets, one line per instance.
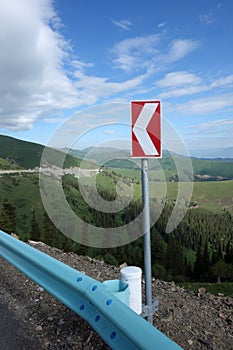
[146, 143]
[146, 129]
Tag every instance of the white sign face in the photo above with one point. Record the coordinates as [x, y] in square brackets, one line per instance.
[146, 129]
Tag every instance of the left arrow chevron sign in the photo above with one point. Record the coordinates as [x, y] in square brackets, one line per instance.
[146, 129]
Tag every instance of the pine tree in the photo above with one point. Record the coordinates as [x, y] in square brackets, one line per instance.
[158, 247]
[199, 264]
[50, 233]
[35, 231]
[175, 259]
[217, 255]
[67, 245]
[206, 260]
[8, 220]
[229, 253]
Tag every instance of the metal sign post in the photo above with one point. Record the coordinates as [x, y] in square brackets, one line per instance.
[146, 143]
[147, 242]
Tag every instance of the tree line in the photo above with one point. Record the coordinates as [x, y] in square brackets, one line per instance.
[199, 249]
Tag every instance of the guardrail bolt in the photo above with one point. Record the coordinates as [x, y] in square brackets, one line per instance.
[113, 335]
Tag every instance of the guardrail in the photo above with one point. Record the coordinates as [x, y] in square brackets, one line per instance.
[119, 326]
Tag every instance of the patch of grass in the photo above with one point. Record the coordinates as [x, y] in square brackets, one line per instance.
[129, 173]
[104, 182]
[190, 255]
[214, 195]
[23, 191]
[5, 165]
[210, 195]
[225, 288]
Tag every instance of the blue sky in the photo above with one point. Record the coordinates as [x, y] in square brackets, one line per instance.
[62, 58]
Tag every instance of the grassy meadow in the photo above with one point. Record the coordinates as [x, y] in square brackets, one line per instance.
[225, 288]
[211, 195]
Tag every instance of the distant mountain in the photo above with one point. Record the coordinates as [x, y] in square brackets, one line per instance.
[100, 155]
[111, 157]
[218, 153]
[116, 158]
[15, 153]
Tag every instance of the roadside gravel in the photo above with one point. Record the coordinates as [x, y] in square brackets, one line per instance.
[198, 321]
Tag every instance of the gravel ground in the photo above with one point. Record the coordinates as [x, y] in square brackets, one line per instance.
[198, 321]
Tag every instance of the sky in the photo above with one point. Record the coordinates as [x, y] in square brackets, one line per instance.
[72, 65]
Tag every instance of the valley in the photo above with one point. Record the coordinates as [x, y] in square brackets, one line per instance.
[200, 248]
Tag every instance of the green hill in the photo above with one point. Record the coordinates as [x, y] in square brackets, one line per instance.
[27, 154]
[213, 167]
[209, 218]
[15, 153]
[6, 164]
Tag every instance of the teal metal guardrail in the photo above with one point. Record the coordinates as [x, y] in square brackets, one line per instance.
[119, 326]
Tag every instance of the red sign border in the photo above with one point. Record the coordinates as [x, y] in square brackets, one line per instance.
[133, 123]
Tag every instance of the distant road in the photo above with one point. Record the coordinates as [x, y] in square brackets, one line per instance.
[18, 171]
[55, 171]
[12, 334]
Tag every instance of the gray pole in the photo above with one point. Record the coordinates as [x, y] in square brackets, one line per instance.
[146, 230]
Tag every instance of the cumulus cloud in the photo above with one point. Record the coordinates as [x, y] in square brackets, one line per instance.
[33, 83]
[39, 74]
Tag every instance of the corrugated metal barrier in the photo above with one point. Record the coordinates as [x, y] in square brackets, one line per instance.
[119, 326]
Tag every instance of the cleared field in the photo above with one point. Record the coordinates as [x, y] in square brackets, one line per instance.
[211, 195]
[225, 288]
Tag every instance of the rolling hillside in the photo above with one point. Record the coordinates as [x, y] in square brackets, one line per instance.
[15, 153]
[208, 217]
[115, 158]
[26, 154]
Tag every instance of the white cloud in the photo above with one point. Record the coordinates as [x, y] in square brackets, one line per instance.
[180, 84]
[223, 81]
[176, 79]
[54, 120]
[33, 82]
[135, 52]
[123, 24]
[185, 83]
[92, 88]
[207, 18]
[40, 75]
[162, 24]
[205, 105]
[184, 91]
[181, 48]
[212, 134]
[143, 52]
[212, 124]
